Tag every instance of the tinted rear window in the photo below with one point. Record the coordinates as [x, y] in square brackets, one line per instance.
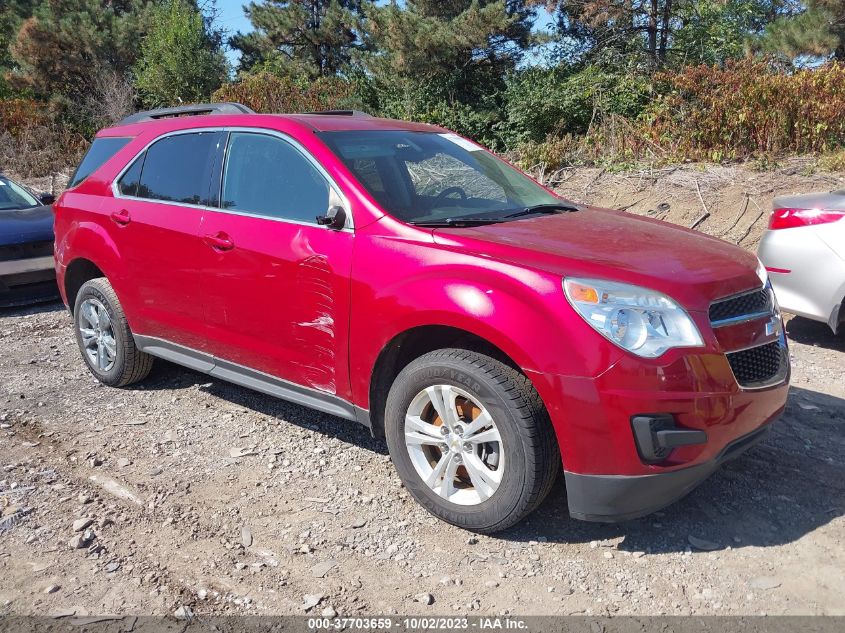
[178, 168]
[100, 151]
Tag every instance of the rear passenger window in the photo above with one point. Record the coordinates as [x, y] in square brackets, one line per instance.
[128, 184]
[100, 151]
[178, 168]
[267, 176]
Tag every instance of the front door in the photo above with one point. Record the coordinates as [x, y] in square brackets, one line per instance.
[277, 283]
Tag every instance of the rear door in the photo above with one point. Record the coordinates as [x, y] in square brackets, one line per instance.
[277, 283]
[155, 219]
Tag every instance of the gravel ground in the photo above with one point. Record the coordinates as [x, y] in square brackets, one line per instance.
[203, 494]
[189, 493]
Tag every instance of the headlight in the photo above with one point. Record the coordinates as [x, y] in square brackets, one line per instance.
[640, 320]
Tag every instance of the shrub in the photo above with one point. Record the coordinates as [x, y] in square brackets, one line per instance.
[748, 108]
[35, 139]
[266, 92]
[557, 101]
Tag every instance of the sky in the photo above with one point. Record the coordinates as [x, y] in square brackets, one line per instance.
[232, 20]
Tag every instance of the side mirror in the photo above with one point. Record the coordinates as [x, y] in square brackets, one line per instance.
[47, 198]
[335, 218]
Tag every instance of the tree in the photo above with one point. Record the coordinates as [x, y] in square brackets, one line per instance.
[617, 28]
[435, 38]
[713, 31]
[312, 37]
[12, 15]
[59, 49]
[181, 56]
[814, 28]
[662, 32]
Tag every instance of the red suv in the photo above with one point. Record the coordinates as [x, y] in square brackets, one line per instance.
[400, 276]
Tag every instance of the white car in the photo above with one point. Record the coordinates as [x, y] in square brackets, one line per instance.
[803, 251]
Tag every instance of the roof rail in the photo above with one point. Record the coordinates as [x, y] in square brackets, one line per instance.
[187, 110]
[341, 113]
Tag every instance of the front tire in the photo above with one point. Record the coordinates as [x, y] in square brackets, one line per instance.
[470, 439]
[105, 340]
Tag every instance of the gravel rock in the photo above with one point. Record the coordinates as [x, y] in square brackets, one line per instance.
[52, 589]
[246, 537]
[424, 598]
[183, 613]
[329, 612]
[311, 600]
[77, 542]
[321, 569]
[81, 524]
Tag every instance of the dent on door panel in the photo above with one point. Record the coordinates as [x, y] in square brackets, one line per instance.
[314, 323]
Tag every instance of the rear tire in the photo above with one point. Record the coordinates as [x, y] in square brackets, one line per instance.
[105, 340]
[497, 431]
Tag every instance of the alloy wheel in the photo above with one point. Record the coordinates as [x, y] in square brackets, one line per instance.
[97, 333]
[454, 445]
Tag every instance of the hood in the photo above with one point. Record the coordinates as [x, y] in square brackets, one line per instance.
[692, 268]
[19, 226]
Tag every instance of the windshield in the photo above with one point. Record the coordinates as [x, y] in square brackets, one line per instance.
[426, 177]
[13, 196]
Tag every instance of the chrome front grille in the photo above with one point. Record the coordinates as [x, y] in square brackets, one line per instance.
[763, 365]
[749, 305]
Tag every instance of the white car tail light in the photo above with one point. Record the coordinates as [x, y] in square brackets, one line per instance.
[791, 218]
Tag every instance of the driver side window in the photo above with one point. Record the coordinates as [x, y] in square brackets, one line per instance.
[266, 176]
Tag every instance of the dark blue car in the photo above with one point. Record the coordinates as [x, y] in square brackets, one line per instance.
[27, 271]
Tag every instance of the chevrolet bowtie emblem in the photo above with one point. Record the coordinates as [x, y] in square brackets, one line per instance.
[773, 326]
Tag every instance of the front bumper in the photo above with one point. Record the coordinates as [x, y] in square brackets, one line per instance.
[608, 476]
[614, 498]
[30, 280]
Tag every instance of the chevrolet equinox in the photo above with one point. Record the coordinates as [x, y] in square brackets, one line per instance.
[401, 276]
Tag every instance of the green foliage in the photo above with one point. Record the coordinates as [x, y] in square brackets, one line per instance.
[181, 58]
[713, 31]
[662, 33]
[832, 161]
[818, 30]
[12, 15]
[560, 101]
[427, 39]
[445, 61]
[315, 37]
[58, 51]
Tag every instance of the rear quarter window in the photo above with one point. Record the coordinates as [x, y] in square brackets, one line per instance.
[101, 150]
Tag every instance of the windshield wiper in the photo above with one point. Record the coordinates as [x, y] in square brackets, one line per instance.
[543, 208]
[458, 222]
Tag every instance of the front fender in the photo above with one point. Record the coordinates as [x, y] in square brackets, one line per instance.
[521, 311]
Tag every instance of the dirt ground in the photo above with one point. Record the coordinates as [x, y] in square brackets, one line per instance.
[185, 491]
